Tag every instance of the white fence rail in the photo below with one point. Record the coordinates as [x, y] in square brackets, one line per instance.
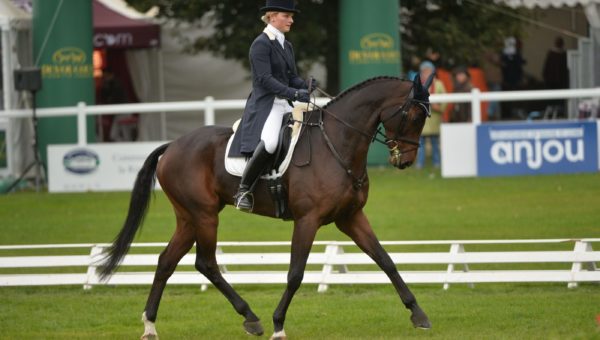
[333, 265]
[209, 105]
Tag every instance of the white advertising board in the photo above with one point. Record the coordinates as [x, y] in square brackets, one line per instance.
[459, 150]
[96, 167]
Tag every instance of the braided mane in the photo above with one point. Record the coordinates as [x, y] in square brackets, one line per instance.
[361, 85]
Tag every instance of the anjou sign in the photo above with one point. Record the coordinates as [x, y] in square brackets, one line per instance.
[518, 149]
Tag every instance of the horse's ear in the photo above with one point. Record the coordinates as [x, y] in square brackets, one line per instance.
[429, 81]
[417, 81]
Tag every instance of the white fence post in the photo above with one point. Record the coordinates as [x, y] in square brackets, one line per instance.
[581, 247]
[476, 106]
[209, 112]
[92, 277]
[456, 248]
[331, 250]
[81, 124]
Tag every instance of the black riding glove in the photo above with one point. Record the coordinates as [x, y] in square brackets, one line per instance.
[313, 84]
[302, 95]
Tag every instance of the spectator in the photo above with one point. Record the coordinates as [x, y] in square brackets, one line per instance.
[413, 68]
[493, 77]
[556, 74]
[431, 130]
[511, 63]
[122, 127]
[461, 112]
[433, 56]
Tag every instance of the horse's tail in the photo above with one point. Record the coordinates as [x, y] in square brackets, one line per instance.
[138, 205]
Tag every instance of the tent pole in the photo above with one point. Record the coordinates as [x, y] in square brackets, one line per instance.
[6, 69]
[7, 94]
[161, 94]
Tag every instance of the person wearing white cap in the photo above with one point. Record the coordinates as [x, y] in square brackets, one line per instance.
[431, 130]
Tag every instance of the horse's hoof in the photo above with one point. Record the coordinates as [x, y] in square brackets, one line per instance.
[253, 327]
[279, 335]
[149, 329]
[419, 319]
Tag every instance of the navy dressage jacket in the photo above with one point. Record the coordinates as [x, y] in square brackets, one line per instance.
[274, 74]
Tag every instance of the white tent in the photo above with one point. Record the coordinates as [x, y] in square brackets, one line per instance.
[591, 7]
[169, 74]
[15, 25]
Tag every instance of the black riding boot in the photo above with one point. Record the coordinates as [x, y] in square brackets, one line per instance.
[243, 199]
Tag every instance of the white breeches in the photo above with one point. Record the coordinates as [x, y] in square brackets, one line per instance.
[270, 132]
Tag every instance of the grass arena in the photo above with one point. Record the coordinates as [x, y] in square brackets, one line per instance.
[403, 205]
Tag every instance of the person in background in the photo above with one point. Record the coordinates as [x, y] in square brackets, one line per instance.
[556, 73]
[431, 130]
[121, 127]
[511, 63]
[461, 112]
[413, 68]
[493, 77]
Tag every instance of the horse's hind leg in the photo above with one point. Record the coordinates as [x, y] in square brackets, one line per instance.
[359, 229]
[180, 244]
[206, 263]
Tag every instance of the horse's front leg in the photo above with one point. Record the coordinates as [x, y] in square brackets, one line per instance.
[359, 229]
[302, 240]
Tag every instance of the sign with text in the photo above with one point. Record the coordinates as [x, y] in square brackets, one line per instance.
[96, 167]
[536, 148]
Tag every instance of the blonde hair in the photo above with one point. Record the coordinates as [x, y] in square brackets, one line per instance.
[266, 18]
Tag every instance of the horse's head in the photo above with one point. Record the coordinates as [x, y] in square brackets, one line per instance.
[403, 125]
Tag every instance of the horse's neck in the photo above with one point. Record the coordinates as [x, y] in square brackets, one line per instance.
[360, 110]
[344, 128]
[362, 107]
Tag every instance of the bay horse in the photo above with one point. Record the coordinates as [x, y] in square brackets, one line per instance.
[328, 189]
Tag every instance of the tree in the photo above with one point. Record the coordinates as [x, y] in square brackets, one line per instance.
[236, 23]
[460, 30]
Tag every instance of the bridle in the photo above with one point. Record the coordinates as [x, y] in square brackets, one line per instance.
[393, 144]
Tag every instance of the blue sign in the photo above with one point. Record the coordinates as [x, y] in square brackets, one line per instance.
[536, 148]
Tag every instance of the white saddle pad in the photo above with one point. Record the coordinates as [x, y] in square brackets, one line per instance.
[236, 165]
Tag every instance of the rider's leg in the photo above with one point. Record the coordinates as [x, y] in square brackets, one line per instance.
[243, 198]
[269, 138]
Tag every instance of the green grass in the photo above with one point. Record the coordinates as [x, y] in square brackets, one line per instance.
[409, 205]
[344, 312]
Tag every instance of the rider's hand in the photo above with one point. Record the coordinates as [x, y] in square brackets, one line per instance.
[313, 84]
[302, 95]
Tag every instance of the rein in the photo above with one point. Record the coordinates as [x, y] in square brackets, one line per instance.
[392, 144]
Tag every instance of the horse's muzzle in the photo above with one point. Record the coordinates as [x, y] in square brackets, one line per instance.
[396, 159]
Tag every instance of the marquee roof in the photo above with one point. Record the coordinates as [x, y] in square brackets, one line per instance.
[113, 29]
[547, 3]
